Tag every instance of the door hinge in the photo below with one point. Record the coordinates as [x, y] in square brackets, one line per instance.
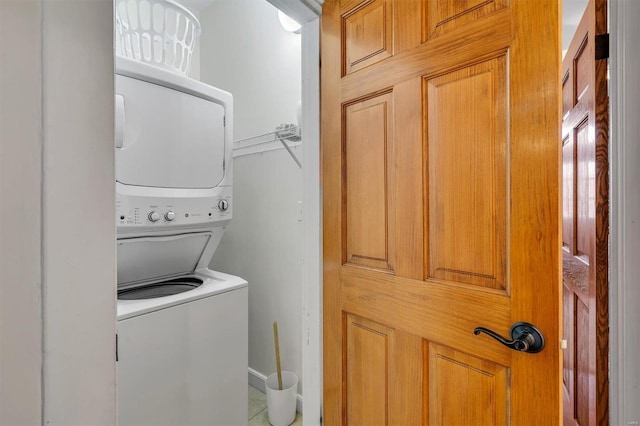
[602, 46]
[224, 121]
[116, 347]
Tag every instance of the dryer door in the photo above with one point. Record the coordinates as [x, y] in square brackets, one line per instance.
[167, 138]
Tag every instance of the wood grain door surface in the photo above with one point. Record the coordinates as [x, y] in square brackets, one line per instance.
[585, 230]
[441, 210]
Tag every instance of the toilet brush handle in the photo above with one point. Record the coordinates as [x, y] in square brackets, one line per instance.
[277, 345]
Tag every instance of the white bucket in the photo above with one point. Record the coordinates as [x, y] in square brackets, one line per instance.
[281, 404]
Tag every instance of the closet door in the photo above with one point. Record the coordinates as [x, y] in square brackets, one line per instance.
[440, 174]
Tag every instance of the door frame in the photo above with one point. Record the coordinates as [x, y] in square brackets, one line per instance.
[307, 12]
[624, 294]
[312, 227]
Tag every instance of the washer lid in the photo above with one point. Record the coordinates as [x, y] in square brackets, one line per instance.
[149, 258]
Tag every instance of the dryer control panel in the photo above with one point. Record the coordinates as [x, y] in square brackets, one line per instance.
[160, 212]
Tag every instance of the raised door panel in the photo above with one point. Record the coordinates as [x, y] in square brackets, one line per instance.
[582, 374]
[381, 363]
[461, 380]
[568, 191]
[368, 177]
[568, 332]
[366, 367]
[567, 94]
[442, 16]
[582, 64]
[585, 192]
[467, 182]
[367, 33]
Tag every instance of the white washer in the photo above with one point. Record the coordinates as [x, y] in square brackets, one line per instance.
[182, 328]
[182, 359]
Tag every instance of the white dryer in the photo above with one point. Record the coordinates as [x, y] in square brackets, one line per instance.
[182, 328]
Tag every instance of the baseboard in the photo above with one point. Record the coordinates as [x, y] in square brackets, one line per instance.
[256, 380]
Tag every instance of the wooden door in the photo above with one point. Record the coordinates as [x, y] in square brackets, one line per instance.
[585, 230]
[440, 179]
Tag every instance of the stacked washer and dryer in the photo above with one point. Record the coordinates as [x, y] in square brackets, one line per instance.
[182, 328]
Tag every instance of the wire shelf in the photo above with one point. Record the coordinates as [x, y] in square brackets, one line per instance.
[285, 134]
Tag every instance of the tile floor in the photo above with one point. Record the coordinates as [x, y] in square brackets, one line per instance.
[258, 409]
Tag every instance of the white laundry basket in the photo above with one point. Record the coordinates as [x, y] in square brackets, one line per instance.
[159, 32]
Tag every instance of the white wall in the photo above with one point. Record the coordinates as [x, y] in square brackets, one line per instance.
[20, 212]
[312, 271]
[58, 231]
[78, 199]
[245, 50]
[263, 245]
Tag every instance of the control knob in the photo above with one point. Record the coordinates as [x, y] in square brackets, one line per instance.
[154, 216]
[170, 215]
[223, 205]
